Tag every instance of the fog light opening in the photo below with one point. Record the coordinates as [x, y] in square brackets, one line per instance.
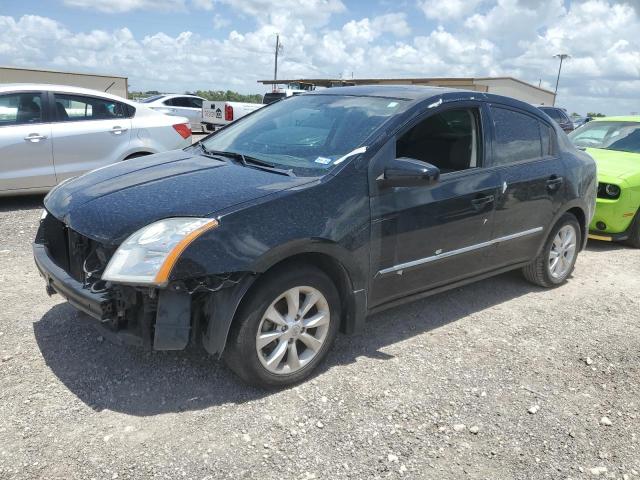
[601, 225]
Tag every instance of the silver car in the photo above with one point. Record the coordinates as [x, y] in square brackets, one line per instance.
[52, 132]
[189, 106]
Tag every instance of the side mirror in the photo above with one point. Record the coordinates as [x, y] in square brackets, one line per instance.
[409, 172]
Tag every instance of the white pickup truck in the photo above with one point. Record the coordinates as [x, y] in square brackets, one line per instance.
[217, 114]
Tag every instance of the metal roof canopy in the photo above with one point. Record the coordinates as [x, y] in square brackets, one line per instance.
[116, 84]
[508, 86]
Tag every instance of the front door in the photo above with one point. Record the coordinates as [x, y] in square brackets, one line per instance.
[532, 177]
[89, 132]
[26, 160]
[428, 236]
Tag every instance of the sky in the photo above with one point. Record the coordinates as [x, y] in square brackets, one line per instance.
[187, 45]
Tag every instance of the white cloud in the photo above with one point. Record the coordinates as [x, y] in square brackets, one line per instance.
[450, 9]
[279, 13]
[123, 6]
[501, 37]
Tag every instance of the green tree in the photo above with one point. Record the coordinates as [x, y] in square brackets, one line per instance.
[595, 115]
[229, 96]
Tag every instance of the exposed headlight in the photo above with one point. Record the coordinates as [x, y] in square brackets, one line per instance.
[147, 256]
[608, 190]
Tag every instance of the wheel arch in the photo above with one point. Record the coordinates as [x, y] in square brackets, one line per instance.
[581, 216]
[139, 152]
[226, 304]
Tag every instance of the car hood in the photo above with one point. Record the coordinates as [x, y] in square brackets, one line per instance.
[615, 164]
[110, 203]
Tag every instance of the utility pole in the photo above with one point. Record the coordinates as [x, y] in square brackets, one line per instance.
[275, 67]
[562, 57]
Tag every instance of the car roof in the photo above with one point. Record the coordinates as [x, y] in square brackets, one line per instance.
[623, 118]
[407, 92]
[173, 95]
[27, 87]
[419, 93]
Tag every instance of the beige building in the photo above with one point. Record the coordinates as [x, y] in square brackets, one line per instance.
[105, 83]
[508, 86]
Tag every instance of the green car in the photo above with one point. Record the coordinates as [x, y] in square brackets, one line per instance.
[614, 142]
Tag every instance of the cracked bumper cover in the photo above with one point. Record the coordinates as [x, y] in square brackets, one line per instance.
[96, 305]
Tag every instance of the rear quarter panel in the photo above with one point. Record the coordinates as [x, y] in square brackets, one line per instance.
[153, 132]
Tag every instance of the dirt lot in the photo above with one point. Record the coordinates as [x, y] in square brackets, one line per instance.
[438, 389]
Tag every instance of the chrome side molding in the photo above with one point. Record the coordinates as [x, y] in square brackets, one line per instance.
[439, 256]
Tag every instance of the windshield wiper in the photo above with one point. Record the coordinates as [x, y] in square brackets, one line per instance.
[247, 161]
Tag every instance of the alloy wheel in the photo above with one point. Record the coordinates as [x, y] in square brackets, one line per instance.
[292, 330]
[562, 252]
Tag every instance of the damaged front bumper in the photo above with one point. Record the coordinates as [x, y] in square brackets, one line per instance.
[97, 305]
[161, 319]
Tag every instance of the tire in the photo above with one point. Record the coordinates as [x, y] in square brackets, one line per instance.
[290, 338]
[634, 232]
[541, 270]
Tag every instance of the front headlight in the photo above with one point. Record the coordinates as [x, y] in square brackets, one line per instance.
[608, 190]
[147, 256]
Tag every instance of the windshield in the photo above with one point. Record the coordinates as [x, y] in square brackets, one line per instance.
[620, 136]
[307, 133]
[152, 99]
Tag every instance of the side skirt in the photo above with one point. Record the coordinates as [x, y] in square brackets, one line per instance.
[443, 288]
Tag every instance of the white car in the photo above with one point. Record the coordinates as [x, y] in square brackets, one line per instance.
[189, 106]
[52, 132]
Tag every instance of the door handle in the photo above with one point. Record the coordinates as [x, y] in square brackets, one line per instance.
[34, 137]
[554, 183]
[118, 130]
[480, 202]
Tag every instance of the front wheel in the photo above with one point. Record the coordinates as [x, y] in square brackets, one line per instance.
[555, 263]
[285, 328]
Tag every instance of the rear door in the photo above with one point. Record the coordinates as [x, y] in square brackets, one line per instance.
[88, 132]
[26, 159]
[524, 152]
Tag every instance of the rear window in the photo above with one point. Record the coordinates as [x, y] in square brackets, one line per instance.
[518, 137]
[152, 99]
[272, 97]
[70, 108]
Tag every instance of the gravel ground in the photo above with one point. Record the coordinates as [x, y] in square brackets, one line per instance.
[497, 380]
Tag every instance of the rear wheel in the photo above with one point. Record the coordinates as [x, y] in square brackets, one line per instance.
[285, 328]
[634, 233]
[136, 155]
[555, 263]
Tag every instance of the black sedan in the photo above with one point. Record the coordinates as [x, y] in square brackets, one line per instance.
[271, 235]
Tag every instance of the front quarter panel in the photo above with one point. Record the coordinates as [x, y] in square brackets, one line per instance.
[330, 216]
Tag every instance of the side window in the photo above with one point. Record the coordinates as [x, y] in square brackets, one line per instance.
[545, 134]
[517, 137]
[169, 102]
[182, 102]
[20, 109]
[450, 140]
[195, 103]
[78, 108]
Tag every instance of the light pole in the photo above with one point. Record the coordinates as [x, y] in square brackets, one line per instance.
[562, 57]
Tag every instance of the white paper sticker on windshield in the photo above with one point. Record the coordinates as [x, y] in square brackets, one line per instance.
[323, 160]
[392, 104]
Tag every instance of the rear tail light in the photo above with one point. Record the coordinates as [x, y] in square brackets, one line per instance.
[184, 129]
[228, 113]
